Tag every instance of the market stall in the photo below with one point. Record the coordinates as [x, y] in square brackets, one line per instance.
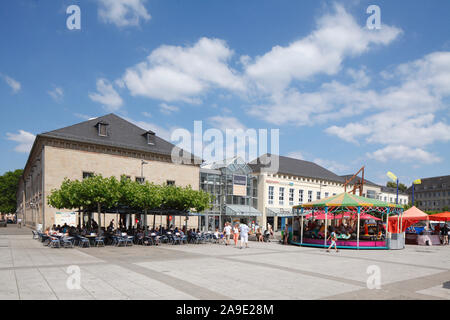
[405, 223]
[359, 222]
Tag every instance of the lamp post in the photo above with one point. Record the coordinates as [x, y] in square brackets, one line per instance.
[418, 181]
[321, 185]
[142, 167]
[142, 181]
[395, 179]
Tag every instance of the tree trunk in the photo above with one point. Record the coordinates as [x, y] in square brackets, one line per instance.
[99, 217]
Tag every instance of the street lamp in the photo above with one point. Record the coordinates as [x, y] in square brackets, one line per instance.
[321, 185]
[395, 179]
[418, 181]
[142, 168]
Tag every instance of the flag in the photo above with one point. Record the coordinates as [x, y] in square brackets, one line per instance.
[392, 176]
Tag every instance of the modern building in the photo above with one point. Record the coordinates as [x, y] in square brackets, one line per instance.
[295, 182]
[235, 192]
[108, 145]
[433, 194]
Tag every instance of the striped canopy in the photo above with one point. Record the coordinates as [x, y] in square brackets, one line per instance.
[347, 200]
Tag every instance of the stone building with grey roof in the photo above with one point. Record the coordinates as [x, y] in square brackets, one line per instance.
[108, 145]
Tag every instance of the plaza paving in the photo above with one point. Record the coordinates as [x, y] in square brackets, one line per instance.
[28, 270]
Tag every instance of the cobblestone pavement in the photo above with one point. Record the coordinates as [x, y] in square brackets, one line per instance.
[28, 270]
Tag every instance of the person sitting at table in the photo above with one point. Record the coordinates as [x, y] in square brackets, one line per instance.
[259, 236]
[322, 230]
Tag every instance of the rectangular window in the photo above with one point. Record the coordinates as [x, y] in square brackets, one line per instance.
[318, 195]
[87, 175]
[170, 182]
[270, 194]
[327, 194]
[300, 196]
[102, 131]
[140, 179]
[281, 196]
[309, 196]
[291, 197]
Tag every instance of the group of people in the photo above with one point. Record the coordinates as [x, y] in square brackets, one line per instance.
[240, 232]
[442, 232]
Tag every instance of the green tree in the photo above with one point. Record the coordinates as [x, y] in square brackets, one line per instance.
[401, 186]
[9, 183]
[96, 192]
[100, 192]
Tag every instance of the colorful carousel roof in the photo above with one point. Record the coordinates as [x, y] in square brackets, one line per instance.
[347, 200]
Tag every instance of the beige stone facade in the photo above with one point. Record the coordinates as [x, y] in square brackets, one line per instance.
[52, 160]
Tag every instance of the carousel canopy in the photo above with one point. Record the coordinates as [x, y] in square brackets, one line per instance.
[347, 200]
[321, 216]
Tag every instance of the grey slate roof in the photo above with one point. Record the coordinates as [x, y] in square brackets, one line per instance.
[301, 168]
[121, 133]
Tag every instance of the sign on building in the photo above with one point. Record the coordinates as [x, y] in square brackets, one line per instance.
[239, 185]
[69, 218]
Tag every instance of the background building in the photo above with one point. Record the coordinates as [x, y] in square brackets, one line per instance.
[296, 182]
[235, 192]
[108, 145]
[432, 194]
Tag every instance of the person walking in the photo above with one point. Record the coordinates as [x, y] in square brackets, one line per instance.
[236, 234]
[244, 230]
[333, 238]
[444, 233]
[286, 234]
[227, 231]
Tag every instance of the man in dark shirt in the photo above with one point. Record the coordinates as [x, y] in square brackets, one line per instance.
[444, 233]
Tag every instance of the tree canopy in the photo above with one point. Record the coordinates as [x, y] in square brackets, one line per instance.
[401, 186]
[9, 183]
[96, 192]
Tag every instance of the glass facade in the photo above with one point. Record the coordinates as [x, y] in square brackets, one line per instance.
[219, 183]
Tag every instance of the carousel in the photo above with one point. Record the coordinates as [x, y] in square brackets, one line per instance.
[359, 222]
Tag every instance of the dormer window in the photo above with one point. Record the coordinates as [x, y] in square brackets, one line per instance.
[102, 129]
[150, 136]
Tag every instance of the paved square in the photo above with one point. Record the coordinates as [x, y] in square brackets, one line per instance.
[28, 270]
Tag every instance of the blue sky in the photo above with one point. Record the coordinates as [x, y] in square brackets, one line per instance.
[342, 95]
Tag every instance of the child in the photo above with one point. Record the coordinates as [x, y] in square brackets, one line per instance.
[333, 238]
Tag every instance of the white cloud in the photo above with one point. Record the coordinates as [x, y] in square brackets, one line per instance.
[14, 84]
[123, 13]
[24, 139]
[223, 123]
[173, 73]
[168, 109]
[404, 154]
[405, 114]
[57, 94]
[336, 37]
[107, 95]
[147, 114]
[332, 165]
